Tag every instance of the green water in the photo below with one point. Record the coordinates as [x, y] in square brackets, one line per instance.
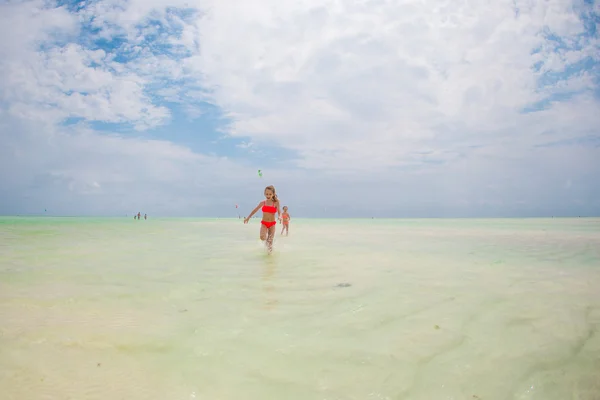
[114, 308]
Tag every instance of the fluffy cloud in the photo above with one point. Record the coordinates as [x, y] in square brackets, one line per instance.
[426, 107]
[366, 84]
[73, 170]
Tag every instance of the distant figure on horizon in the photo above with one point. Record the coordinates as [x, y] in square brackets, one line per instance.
[145, 216]
[268, 222]
[285, 219]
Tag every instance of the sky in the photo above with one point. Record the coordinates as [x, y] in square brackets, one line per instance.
[373, 108]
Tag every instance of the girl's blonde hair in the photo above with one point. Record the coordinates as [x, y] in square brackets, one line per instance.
[272, 189]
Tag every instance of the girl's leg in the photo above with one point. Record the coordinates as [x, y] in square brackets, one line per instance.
[263, 232]
[270, 237]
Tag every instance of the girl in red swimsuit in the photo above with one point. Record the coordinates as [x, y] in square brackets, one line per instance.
[285, 219]
[269, 207]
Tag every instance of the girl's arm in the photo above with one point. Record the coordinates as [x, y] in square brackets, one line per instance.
[254, 211]
[278, 210]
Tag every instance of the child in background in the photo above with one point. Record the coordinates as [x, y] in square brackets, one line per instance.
[268, 222]
[285, 218]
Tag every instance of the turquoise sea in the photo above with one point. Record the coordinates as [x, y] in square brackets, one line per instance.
[178, 309]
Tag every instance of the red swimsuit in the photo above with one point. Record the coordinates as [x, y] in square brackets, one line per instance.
[268, 209]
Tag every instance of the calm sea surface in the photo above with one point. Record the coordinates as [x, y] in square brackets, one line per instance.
[179, 309]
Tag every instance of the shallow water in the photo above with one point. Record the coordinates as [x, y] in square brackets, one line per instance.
[343, 309]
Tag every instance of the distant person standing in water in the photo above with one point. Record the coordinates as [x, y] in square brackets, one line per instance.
[285, 219]
[267, 225]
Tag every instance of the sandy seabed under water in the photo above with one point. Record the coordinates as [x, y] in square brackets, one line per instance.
[172, 309]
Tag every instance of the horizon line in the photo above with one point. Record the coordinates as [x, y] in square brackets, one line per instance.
[329, 217]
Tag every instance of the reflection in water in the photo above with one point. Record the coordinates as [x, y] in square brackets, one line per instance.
[268, 288]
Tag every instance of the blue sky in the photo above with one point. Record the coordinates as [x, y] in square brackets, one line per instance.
[169, 107]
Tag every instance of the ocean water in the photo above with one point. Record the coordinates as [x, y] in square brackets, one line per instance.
[178, 309]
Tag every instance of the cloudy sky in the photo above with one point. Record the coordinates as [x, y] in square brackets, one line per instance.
[349, 107]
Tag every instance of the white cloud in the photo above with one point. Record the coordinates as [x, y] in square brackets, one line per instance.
[68, 81]
[370, 95]
[59, 169]
[350, 85]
